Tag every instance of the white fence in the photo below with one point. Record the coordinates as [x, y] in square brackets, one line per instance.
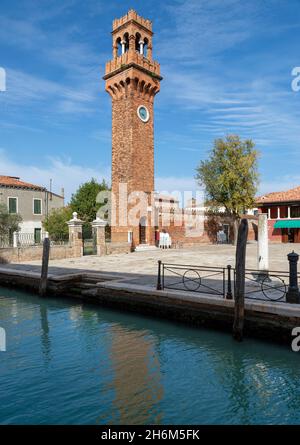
[21, 239]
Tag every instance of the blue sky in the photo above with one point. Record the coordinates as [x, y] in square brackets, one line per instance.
[227, 69]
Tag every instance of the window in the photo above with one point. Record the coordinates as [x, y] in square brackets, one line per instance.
[284, 212]
[274, 212]
[12, 205]
[295, 212]
[37, 236]
[37, 206]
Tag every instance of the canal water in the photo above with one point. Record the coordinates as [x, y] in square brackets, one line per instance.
[72, 363]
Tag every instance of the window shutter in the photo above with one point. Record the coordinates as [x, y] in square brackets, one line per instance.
[12, 205]
[37, 207]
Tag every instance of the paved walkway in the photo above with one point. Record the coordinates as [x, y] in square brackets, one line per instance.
[145, 263]
[140, 268]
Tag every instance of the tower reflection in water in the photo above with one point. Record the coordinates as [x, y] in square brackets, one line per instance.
[136, 377]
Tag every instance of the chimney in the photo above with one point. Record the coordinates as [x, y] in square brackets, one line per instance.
[62, 192]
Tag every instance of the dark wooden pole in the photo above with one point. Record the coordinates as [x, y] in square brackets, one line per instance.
[240, 260]
[229, 291]
[158, 286]
[45, 262]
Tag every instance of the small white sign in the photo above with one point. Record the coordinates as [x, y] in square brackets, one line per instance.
[2, 79]
[2, 340]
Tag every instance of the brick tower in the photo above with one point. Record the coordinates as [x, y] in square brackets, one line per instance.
[132, 80]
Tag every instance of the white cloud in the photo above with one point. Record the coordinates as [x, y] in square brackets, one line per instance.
[283, 183]
[204, 28]
[63, 172]
[26, 91]
[76, 90]
[171, 183]
[69, 175]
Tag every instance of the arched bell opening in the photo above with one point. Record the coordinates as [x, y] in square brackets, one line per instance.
[138, 38]
[118, 46]
[126, 42]
[145, 47]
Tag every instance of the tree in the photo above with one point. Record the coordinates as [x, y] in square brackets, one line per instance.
[56, 223]
[9, 223]
[230, 175]
[84, 200]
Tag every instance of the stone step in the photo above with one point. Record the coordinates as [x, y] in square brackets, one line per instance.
[144, 247]
[92, 280]
[85, 285]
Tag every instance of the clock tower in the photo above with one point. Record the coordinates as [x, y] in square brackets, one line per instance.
[132, 80]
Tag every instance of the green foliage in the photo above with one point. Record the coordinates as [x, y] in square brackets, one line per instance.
[9, 223]
[230, 175]
[56, 223]
[84, 200]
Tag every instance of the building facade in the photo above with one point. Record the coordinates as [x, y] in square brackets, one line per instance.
[132, 80]
[32, 202]
[283, 210]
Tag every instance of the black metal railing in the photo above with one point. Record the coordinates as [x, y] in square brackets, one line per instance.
[271, 286]
[266, 286]
[207, 280]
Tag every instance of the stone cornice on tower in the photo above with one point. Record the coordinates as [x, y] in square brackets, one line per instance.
[132, 82]
[132, 16]
[129, 59]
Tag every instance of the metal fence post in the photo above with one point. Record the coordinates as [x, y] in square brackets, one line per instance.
[159, 287]
[293, 295]
[229, 291]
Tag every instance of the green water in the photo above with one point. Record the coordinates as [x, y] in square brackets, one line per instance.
[69, 363]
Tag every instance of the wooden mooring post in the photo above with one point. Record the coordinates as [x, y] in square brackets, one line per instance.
[239, 300]
[158, 286]
[45, 262]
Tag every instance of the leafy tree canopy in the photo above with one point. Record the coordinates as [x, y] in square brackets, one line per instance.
[56, 223]
[9, 222]
[230, 174]
[84, 200]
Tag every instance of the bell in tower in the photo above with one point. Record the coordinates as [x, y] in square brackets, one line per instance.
[132, 80]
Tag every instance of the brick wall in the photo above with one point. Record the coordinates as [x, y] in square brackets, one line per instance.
[132, 145]
[274, 235]
[211, 226]
[21, 254]
[115, 248]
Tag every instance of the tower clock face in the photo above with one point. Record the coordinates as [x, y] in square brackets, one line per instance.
[143, 113]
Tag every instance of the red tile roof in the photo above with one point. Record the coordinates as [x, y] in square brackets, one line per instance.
[287, 196]
[14, 181]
